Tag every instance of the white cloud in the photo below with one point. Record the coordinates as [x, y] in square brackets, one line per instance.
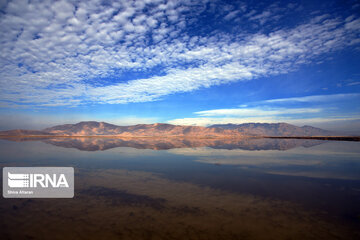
[315, 121]
[315, 98]
[132, 120]
[324, 115]
[246, 112]
[50, 52]
[207, 121]
[176, 81]
[353, 84]
[231, 15]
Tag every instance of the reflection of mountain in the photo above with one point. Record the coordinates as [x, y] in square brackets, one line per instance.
[268, 144]
[161, 130]
[273, 129]
[96, 144]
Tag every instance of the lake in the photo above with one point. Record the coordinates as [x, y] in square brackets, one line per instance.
[174, 188]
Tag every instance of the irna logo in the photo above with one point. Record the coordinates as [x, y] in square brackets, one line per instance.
[18, 180]
[38, 182]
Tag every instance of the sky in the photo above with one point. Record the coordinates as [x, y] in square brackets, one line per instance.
[180, 62]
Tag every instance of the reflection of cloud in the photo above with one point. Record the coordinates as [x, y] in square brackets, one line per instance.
[135, 204]
[321, 161]
[244, 157]
[258, 159]
[315, 174]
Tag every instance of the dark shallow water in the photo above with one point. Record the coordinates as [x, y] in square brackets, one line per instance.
[189, 189]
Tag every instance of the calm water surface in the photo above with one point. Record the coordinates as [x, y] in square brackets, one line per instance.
[189, 189]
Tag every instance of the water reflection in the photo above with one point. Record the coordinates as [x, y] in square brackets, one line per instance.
[196, 189]
[96, 144]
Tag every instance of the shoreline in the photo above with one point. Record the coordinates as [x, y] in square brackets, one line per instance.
[325, 138]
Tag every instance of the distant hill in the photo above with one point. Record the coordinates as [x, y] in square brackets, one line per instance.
[140, 130]
[274, 129]
[92, 128]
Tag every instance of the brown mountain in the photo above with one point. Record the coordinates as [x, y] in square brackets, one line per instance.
[93, 128]
[139, 130]
[274, 129]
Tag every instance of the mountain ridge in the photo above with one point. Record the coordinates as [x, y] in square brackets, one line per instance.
[94, 128]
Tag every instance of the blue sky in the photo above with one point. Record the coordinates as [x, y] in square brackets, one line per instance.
[180, 62]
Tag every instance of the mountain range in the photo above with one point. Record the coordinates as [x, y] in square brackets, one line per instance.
[92, 128]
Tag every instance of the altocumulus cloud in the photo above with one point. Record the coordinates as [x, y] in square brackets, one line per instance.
[50, 50]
